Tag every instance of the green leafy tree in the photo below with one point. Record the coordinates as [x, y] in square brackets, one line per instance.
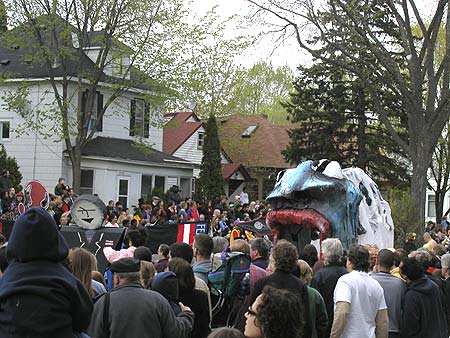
[10, 163]
[262, 90]
[336, 120]
[210, 181]
[402, 215]
[406, 63]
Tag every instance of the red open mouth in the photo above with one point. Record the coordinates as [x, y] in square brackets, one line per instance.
[308, 218]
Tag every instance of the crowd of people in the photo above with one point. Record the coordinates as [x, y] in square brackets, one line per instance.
[50, 290]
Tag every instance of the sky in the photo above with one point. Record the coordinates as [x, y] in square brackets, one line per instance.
[289, 53]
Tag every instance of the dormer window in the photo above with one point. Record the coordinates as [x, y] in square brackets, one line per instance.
[249, 131]
[139, 118]
[201, 140]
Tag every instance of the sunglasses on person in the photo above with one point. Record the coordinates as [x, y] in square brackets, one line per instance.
[250, 311]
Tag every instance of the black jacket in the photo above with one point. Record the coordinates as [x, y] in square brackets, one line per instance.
[197, 300]
[423, 314]
[285, 280]
[39, 297]
[324, 281]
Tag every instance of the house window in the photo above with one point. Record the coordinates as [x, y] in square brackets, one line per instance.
[123, 189]
[139, 118]
[5, 127]
[159, 182]
[431, 206]
[201, 140]
[96, 109]
[87, 181]
[146, 185]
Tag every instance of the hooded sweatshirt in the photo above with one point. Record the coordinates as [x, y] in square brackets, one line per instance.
[39, 297]
[166, 284]
[423, 314]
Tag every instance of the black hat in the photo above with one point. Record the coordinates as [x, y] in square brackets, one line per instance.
[126, 265]
[141, 201]
[143, 253]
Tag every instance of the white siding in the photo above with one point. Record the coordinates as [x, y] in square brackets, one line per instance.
[38, 158]
[42, 159]
[107, 172]
[189, 151]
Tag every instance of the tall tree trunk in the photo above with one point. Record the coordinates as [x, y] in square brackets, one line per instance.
[439, 204]
[76, 169]
[418, 189]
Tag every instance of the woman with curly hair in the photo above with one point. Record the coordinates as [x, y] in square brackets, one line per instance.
[274, 314]
[284, 263]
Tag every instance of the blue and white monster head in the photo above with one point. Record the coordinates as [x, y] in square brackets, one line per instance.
[319, 195]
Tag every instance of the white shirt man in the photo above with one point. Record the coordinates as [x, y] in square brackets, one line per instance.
[360, 308]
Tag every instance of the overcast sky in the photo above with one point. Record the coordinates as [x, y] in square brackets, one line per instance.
[289, 53]
[285, 54]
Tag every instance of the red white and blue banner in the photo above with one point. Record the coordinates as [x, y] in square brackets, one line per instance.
[171, 233]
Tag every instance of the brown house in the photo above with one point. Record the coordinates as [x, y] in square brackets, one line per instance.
[256, 143]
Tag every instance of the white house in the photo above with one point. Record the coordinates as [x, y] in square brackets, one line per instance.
[112, 165]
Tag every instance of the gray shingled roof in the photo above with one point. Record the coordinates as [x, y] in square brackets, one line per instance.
[126, 150]
[18, 48]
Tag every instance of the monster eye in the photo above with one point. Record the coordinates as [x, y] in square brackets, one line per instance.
[280, 175]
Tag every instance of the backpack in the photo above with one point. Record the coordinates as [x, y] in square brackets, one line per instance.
[227, 277]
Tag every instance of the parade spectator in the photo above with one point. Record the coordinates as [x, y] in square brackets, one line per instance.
[284, 257]
[430, 243]
[112, 222]
[188, 295]
[275, 314]
[185, 251]
[256, 273]
[61, 188]
[82, 264]
[147, 272]
[143, 253]
[174, 195]
[399, 255]
[259, 252]
[163, 253]
[166, 284]
[317, 310]
[4, 182]
[309, 254]
[423, 312]
[244, 196]
[66, 203]
[360, 308]
[182, 215]
[135, 312]
[192, 212]
[325, 279]
[134, 240]
[203, 246]
[394, 290]
[57, 209]
[445, 271]
[39, 297]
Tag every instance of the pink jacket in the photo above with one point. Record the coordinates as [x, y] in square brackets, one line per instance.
[113, 255]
